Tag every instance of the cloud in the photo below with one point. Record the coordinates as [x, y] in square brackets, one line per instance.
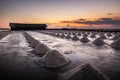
[110, 13]
[99, 21]
[82, 19]
[66, 21]
[107, 21]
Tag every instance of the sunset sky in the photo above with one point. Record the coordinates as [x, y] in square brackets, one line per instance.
[62, 13]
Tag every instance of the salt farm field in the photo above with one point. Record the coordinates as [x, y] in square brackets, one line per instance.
[19, 56]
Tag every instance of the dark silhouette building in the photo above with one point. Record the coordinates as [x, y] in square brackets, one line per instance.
[23, 26]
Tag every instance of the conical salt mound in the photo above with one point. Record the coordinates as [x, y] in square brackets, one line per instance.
[84, 39]
[116, 44]
[68, 36]
[98, 41]
[53, 34]
[73, 33]
[53, 59]
[116, 37]
[62, 36]
[28, 37]
[57, 35]
[41, 49]
[75, 38]
[85, 35]
[35, 43]
[93, 36]
[103, 36]
[109, 34]
[79, 34]
[84, 72]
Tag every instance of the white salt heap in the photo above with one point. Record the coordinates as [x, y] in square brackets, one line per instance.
[103, 36]
[98, 41]
[62, 36]
[84, 72]
[116, 37]
[29, 38]
[109, 34]
[84, 39]
[41, 49]
[93, 36]
[75, 38]
[35, 43]
[53, 59]
[79, 34]
[58, 35]
[68, 36]
[85, 35]
[116, 44]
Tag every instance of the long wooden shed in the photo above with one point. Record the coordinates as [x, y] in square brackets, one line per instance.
[23, 26]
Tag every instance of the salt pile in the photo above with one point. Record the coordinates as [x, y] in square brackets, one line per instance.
[98, 41]
[84, 72]
[84, 39]
[41, 49]
[68, 36]
[73, 33]
[53, 34]
[116, 44]
[85, 35]
[100, 33]
[29, 38]
[109, 34]
[58, 35]
[103, 36]
[79, 34]
[88, 33]
[116, 37]
[75, 38]
[62, 36]
[53, 59]
[35, 43]
[93, 36]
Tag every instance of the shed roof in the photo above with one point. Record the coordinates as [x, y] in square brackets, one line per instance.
[27, 24]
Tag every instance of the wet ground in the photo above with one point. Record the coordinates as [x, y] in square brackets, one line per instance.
[17, 58]
[16, 62]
